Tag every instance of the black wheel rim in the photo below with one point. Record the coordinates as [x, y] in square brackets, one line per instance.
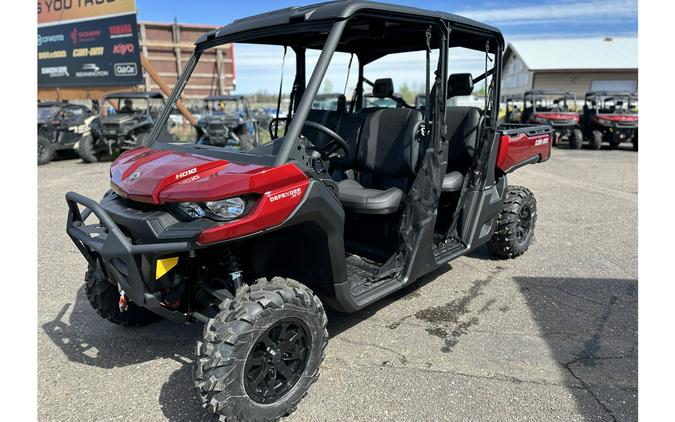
[277, 360]
[524, 226]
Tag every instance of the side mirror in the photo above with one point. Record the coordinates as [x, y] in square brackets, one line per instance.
[460, 84]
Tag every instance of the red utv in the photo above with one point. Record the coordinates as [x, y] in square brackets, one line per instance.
[555, 108]
[344, 209]
[610, 117]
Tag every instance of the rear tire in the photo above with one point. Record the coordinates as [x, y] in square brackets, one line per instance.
[515, 224]
[596, 139]
[45, 152]
[271, 334]
[577, 139]
[104, 298]
[87, 151]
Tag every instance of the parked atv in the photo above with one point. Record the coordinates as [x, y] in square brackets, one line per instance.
[61, 126]
[126, 119]
[227, 121]
[610, 117]
[555, 108]
[254, 244]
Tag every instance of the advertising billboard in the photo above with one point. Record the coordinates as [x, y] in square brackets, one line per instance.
[88, 43]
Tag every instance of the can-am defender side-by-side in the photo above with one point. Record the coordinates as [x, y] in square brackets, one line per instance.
[555, 108]
[61, 126]
[126, 118]
[343, 209]
[227, 121]
[610, 117]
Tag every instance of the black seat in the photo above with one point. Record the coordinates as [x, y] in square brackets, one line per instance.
[386, 162]
[463, 125]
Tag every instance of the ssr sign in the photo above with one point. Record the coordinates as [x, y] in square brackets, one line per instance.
[80, 45]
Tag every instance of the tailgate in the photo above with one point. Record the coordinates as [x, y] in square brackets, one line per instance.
[522, 144]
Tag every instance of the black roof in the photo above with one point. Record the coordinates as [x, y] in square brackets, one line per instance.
[148, 94]
[51, 103]
[548, 92]
[224, 98]
[285, 27]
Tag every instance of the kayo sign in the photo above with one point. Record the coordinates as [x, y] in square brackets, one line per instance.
[88, 43]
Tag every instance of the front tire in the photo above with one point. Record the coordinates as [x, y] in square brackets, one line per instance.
[45, 151]
[596, 139]
[577, 139]
[104, 298]
[87, 150]
[261, 353]
[515, 224]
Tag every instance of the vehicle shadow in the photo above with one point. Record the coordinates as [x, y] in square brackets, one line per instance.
[85, 338]
[590, 326]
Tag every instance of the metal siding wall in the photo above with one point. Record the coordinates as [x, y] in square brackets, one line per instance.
[579, 82]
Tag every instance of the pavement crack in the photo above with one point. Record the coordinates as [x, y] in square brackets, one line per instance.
[588, 388]
[402, 358]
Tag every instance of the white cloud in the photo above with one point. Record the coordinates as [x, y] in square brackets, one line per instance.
[579, 11]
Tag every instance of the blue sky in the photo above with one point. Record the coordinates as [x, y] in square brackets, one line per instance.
[518, 20]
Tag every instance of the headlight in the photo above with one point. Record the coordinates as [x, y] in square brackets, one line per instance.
[192, 210]
[228, 209]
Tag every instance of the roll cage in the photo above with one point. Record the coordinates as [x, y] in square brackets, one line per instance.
[611, 102]
[368, 31]
[542, 100]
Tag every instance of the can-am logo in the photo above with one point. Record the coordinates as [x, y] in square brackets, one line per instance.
[123, 49]
[55, 71]
[293, 193]
[541, 141]
[88, 52]
[80, 36]
[120, 31]
[126, 69]
[186, 173]
[44, 39]
[91, 70]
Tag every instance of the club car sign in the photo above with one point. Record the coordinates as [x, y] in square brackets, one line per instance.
[88, 43]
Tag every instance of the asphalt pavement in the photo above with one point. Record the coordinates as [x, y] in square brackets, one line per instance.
[551, 335]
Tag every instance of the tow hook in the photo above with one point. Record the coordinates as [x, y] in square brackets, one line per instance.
[123, 302]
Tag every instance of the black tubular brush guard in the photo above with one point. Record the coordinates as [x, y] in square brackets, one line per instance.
[116, 253]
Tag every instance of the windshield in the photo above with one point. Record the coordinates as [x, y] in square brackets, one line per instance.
[45, 112]
[619, 104]
[223, 107]
[126, 105]
[552, 103]
[266, 77]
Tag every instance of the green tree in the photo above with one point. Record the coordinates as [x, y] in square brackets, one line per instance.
[407, 93]
[327, 87]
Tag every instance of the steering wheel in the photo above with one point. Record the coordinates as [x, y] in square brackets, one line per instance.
[330, 147]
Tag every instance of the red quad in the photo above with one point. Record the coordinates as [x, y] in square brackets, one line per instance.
[555, 108]
[610, 117]
[348, 206]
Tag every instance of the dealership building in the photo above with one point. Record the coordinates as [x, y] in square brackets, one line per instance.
[579, 65]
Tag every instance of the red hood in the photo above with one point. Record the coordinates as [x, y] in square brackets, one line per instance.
[619, 117]
[152, 176]
[557, 115]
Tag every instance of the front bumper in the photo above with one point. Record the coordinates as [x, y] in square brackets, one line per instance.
[105, 244]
